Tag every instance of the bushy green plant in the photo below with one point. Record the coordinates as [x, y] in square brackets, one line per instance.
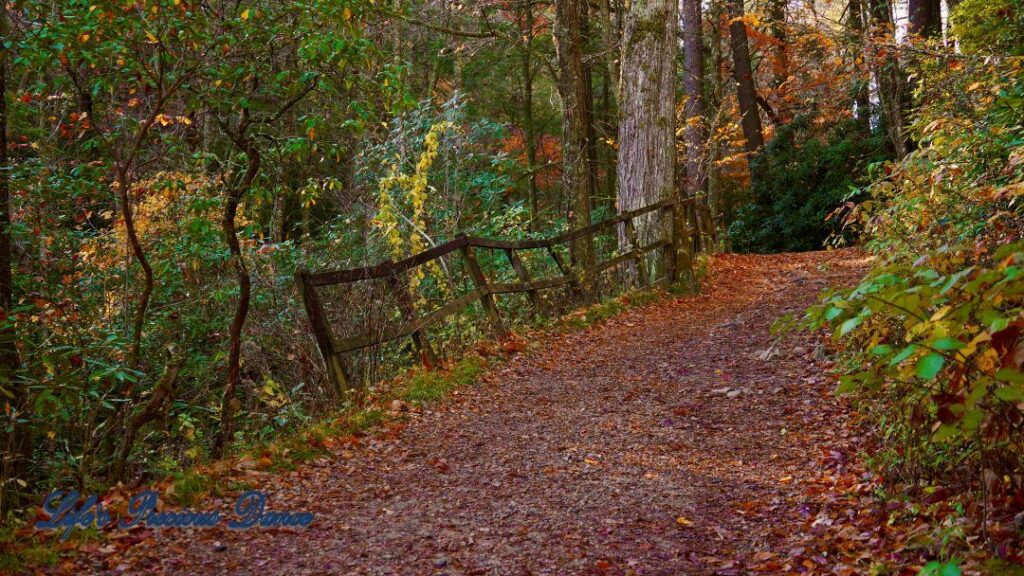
[797, 181]
[934, 335]
[987, 25]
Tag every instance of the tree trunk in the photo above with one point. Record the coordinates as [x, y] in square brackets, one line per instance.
[574, 89]
[15, 438]
[123, 184]
[716, 92]
[777, 14]
[155, 408]
[746, 92]
[890, 79]
[695, 130]
[924, 18]
[277, 219]
[529, 136]
[232, 198]
[608, 114]
[647, 152]
[861, 95]
[610, 37]
[693, 83]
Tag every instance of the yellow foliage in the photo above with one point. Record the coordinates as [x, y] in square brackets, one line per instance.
[415, 187]
[156, 215]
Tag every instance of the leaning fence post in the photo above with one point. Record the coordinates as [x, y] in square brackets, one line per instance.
[322, 333]
[419, 337]
[671, 249]
[638, 259]
[685, 235]
[576, 289]
[524, 277]
[480, 282]
[698, 245]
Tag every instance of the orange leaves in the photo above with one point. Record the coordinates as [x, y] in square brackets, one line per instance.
[166, 120]
[548, 154]
[513, 345]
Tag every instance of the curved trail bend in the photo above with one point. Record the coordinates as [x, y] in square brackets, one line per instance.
[663, 441]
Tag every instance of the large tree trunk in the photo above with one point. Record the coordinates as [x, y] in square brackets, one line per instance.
[14, 435]
[695, 130]
[777, 14]
[693, 83]
[890, 79]
[716, 95]
[924, 18]
[529, 135]
[607, 117]
[610, 38]
[232, 198]
[861, 94]
[746, 92]
[574, 89]
[647, 152]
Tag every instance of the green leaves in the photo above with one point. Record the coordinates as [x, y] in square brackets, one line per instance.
[903, 355]
[849, 325]
[947, 344]
[1013, 390]
[936, 568]
[929, 366]
[929, 348]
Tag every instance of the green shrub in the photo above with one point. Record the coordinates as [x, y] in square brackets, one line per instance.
[989, 25]
[933, 337]
[798, 180]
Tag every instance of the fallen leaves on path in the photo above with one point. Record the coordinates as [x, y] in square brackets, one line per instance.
[679, 438]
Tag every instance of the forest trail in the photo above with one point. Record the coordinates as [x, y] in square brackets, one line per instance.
[662, 441]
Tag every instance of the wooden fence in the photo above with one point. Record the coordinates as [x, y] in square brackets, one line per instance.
[668, 212]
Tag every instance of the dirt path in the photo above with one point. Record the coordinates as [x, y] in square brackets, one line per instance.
[660, 442]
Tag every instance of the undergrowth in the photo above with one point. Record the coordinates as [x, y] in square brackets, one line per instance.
[419, 388]
[932, 340]
[382, 404]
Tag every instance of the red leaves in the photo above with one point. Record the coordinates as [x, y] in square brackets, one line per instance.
[1007, 343]
[513, 345]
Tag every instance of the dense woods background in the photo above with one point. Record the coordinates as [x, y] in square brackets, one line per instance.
[167, 165]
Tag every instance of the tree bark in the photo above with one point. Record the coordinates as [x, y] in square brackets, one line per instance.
[746, 91]
[861, 95]
[890, 78]
[924, 18]
[716, 94]
[777, 14]
[14, 435]
[607, 117]
[574, 90]
[647, 152]
[529, 136]
[155, 408]
[123, 183]
[695, 131]
[610, 37]
[232, 198]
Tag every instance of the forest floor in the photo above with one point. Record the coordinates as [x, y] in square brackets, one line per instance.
[681, 437]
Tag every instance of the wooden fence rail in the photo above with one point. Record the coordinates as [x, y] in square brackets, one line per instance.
[673, 238]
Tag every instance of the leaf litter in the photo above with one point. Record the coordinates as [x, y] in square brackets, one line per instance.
[677, 438]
